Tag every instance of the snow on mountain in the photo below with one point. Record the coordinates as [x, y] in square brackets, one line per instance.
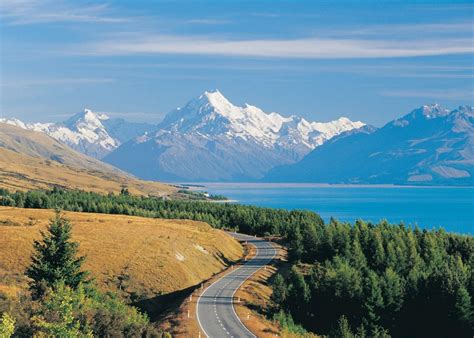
[430, 145]
[210, 139]
[425, 112]
[87, 132]
[211, 114]
[14, 122]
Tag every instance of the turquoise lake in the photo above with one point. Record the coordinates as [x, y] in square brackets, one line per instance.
[428, 207]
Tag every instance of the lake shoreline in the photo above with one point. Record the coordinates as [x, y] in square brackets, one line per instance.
[428, 207]
[203, 185]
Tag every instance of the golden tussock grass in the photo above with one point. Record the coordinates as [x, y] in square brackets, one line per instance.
[23, 172]
[33, 160]
[137, 255]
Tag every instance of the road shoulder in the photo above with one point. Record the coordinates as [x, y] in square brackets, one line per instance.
[255, 302]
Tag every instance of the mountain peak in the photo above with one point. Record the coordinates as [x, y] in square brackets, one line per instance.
[14, 122]
[212, 116]
[86, 119]
[469, 110]
[215, 99]
[212, 92]
[88, 114]
[425, 112]
[433, 110]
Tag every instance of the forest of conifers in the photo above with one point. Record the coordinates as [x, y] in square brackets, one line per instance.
[353, 280]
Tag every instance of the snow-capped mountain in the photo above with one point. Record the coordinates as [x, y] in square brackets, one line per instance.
[91, 133]
[212, 114]
[210, 139]
[430, 145]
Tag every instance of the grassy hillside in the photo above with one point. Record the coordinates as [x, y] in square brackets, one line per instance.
[33, 160]
[138, 257]
[40, 145]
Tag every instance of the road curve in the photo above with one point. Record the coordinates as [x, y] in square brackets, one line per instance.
[215, 309]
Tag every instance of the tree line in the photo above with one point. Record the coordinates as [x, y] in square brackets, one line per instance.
[247, 219]
[359, 280]
[377, 280]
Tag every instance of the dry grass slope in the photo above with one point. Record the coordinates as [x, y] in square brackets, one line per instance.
[33, 160]
[132, 255]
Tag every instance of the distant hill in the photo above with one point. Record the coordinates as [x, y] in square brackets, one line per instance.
[30, 160]
[210, 139]
[430, 145]
[91, 133]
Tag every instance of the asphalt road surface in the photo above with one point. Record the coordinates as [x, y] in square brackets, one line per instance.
[215, 307]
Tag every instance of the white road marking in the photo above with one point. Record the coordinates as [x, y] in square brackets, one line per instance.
[238, 276]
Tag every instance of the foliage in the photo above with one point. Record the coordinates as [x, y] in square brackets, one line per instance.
[58, 312]
[54, 258]
[111, 317]
[66, 304]
[379, 280]
[246, 219]
[287, 324]
[280, 291]
[383, 279]
[342, 329]
[85, 312]
[7, 326]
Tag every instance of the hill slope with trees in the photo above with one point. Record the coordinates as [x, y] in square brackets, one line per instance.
[345, 280]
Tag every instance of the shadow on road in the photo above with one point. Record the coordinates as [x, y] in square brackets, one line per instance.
[161, 306]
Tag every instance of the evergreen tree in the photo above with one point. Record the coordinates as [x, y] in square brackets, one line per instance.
[295, 246]
[298, 293]
[373, 299]
[342, 330]
[54, 258]
[280, 291]
[463, 312]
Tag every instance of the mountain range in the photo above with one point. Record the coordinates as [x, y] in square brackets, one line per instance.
[210, 139]
[93, 134]
[429, 146]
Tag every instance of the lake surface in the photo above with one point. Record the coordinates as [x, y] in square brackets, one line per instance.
[428, 207]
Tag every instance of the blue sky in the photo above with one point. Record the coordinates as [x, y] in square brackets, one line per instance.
[369, 61]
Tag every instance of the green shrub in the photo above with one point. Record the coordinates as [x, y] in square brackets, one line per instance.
[7, 326]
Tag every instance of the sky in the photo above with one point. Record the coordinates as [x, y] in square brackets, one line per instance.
[369, 61]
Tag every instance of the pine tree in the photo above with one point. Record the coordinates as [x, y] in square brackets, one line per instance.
[342, 330]
[280, 291]
[463, 310]
[295, 240]
[54, 258]
[373, 299]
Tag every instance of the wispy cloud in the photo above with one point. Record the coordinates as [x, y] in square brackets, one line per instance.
[208, 21]
[311, 48]
[54, 82]
[437, 94]
[407, 71]
[26, 12]
[443, 7]
[265, 15]
[412, 70]
[418, 29]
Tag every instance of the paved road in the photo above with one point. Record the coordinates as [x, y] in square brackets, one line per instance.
[215, 310]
